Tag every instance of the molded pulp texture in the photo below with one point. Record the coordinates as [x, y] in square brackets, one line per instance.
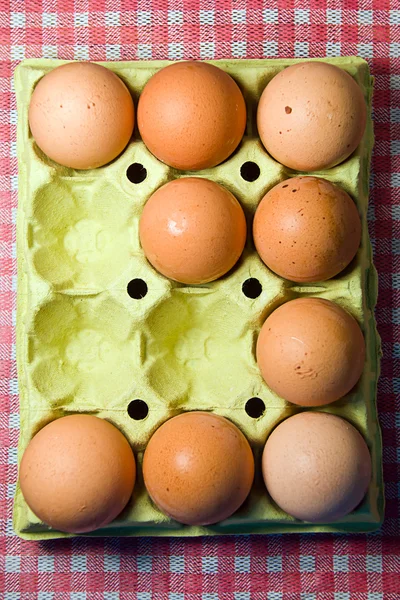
[85, 345]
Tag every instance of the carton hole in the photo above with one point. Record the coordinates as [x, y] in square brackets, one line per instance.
[250, 171]
[138, 410]
[255, 408]
[136, 173]
[251, 288]
[137, 289]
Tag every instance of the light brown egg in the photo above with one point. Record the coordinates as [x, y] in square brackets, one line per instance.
[311, 116]
[81, 115]
[77, 474]
[316, 467]
[307, 229]
[192, 230]
[198, 468]
[191, 115]
[311, 352]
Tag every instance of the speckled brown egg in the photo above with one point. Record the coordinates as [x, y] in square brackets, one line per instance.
[77, 473]
[198, 468]
[192, 230]
[311, 352]
[307, 229]
[191, 115]
[311, 116]
[316, 467]
[81, 115]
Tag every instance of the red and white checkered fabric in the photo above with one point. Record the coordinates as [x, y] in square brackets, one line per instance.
[296, 567]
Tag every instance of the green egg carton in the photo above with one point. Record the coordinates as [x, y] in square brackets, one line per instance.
[84, 344]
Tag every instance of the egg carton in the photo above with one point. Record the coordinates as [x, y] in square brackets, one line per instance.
[99, 331]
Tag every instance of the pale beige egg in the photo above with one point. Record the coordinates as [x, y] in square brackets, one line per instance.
[316, 467]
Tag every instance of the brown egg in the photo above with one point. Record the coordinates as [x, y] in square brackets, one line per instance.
[191, 115]
[307, 229]
[311, 352]
[198, 468]
[311, 116]
[192, 230]
[316, 467]
[77, 474]
[81, 115]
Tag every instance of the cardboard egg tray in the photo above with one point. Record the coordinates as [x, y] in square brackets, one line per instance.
[99, 329]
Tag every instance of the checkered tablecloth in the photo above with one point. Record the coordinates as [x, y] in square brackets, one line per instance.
[296, 567]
